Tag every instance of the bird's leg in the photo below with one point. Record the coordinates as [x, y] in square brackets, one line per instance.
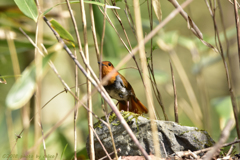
[128, 105]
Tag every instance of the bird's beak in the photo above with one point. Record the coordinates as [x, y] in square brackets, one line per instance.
[102, 64]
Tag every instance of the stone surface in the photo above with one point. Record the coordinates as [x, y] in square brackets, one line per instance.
[174, 136]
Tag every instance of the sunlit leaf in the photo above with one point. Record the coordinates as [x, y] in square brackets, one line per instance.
[64, 34]
[28, 7]
[23, 89]
[157, 9]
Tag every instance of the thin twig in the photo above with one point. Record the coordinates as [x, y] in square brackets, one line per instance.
[186, 17]
[76, 111]
[129, 15]
[120, 21]
[16, 71]
[237, 27]
[186, 153]
[38, 77]
[109, 128]
[224, 29]
[44, 145]
[104, 26]
[151, 28]
[94, 32]
[233, 3]
[118, 150]
[175, 94]
[231, 148]
[164, 149]
[56, 156]
[156, 92]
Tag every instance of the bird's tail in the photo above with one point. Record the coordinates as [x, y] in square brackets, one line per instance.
[134, 106]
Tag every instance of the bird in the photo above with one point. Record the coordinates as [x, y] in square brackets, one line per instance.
[120, 89]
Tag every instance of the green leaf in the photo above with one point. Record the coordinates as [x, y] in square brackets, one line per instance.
[89, 2]
[63, 151]
[23, 89]
[64, 34]
[2, 80]
[28, 7]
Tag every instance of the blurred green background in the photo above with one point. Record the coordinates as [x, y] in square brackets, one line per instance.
[203, 67]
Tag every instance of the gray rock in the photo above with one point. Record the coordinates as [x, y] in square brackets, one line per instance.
[174, 136]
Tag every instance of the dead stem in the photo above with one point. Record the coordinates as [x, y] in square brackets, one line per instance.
[38, 62]
[120, 21]
[148, 91]
[186, 17]
[16, 71]
[233, 3]
[94, 33]
[89, 100]
[76, 111]
[231, 149]
[118, 150]
[237, 27]
[151, 28]
[175, 95]
[44, 145]
[130, 19]
[104, 106]
[157, 92]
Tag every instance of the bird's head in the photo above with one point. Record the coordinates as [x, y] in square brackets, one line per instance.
[107, 67]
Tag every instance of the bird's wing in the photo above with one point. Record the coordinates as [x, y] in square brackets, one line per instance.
[127, 85]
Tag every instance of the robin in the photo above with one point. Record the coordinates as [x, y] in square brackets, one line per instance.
[120, 89]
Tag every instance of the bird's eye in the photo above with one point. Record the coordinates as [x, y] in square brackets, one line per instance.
[109, 64]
